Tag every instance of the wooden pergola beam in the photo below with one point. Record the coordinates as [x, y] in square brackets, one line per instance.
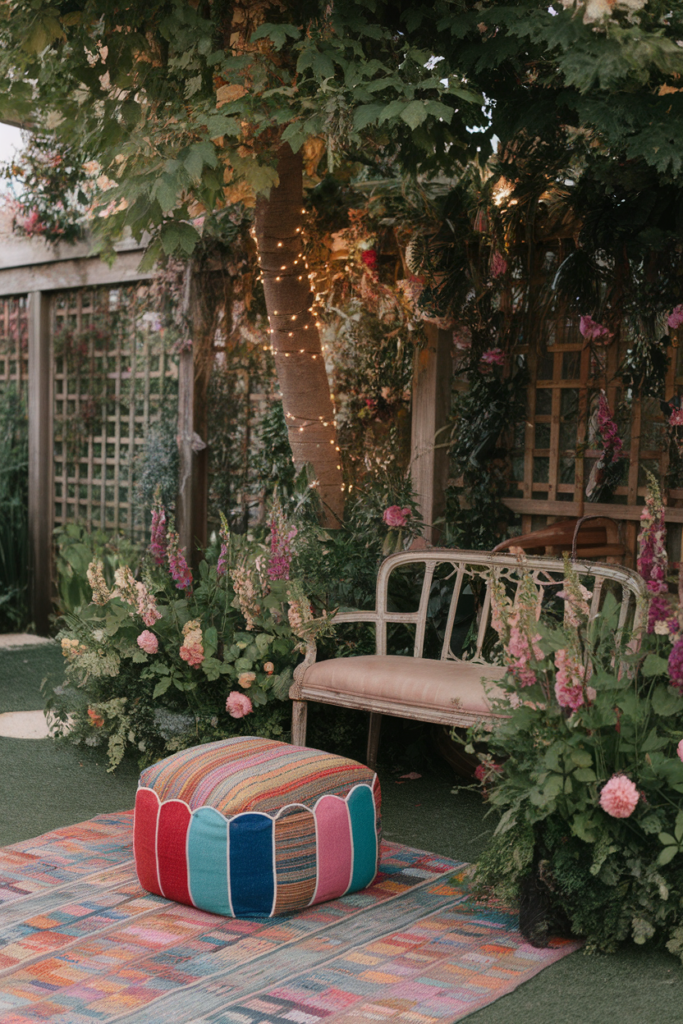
[430, 411]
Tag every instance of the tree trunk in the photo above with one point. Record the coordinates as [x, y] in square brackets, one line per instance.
[294, 337]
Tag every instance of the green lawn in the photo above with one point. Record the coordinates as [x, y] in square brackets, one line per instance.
[44, 785]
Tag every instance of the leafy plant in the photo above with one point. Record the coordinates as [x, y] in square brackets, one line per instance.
[14, 552]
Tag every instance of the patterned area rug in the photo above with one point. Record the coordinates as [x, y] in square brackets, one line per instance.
[81, 942]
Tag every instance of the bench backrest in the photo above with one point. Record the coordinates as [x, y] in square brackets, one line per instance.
[467, 565]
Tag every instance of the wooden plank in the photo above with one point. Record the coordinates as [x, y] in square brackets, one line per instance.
[40, 462]
[73, 273]
[430, 410]
[526, 506]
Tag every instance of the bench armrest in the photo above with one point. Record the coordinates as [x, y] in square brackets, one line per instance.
[312, 651]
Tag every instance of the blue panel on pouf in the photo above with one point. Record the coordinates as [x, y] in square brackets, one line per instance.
[362, 813]
[252, 873]
[207, 861]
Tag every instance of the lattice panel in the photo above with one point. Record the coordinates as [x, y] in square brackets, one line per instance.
[14, 342]
[112, 373]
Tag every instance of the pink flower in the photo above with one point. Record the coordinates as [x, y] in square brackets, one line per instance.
[146, 606]
[177, 564]
[569, 680]
[499, 265]
[369, 258]
[675, 666]
[148, 642]
[96, 719]
[192, 650]
[158, 542]
[613, 445]
[679, 749]
[396, 517]
[676, 418]
[493, 357]
[238, 704]
[675, 317]
[619, 797]
[593, 331]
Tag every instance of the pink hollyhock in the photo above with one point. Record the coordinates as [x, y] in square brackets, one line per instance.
[675, 317]
[396, 517]
[177, 564]
[281, 537]
[369, 258]
[521, 652]
[569, 680]
[493, 357]
[613, 445]
[679, 749]
[619, 797]
[192, 650]
[146, 605]
[238, 704]
[652, 556]
[148, 642]
[158, 542]
[592, 331]
[499, 265]
[676, 418]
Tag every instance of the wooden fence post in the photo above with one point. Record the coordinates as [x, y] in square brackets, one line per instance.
[40, 497]
[431, 409]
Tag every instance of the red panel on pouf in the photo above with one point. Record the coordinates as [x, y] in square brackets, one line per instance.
[174, 821]
[145, 839]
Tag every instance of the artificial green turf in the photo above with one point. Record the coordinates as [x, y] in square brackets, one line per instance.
[44, 785]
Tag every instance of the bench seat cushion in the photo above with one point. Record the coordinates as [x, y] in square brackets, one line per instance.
[451, 690]
[251, 827]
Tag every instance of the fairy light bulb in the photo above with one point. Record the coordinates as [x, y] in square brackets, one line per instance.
[279, 245]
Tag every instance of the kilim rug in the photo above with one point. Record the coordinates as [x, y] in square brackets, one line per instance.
[81, 942]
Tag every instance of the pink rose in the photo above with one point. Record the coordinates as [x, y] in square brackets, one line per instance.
[619, 797]
[675, 317]
[679, 749]
[148, 642]
[238, 704]
[396, 517]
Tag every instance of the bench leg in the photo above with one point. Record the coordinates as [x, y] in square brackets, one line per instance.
[299, 722]
[374, 729]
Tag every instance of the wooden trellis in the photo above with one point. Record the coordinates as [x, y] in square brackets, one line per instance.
[111, 375]
[14, 342]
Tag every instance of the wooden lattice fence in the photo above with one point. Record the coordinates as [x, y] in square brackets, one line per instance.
[14, 342]
[112, 373]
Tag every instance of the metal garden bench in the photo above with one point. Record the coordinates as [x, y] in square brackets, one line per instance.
[452, 690]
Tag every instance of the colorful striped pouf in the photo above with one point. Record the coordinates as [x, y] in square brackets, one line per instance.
[250, 827]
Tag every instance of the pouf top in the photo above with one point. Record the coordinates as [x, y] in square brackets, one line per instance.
[248, 773]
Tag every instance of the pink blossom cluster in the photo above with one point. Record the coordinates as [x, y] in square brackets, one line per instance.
[521, 650]
[158, 541]
[675, 317]
[569, 681]
[613, 445]
[192, 650]
[493, 357]
[177, 564]
[95, 576]
[238, 704]
[619, 797]
[499, 265]
[146, 605]
[282, 534]
[369, 258]
[676, 418]
[222, 564]
[148, 642]
[592, 331]
[396, 517]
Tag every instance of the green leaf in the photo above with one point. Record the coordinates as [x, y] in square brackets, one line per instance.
[244, 664]
[414, 113]
[263, 642]
[667, 855]
[178, 235]
[162, 686]
[366, 114]
[666, 701]
[666, 839]
[212, 668]
[201, 154]
[655, 666]
[277, 33]
[210, 640]
[653, 741]
[584, 775]
[582, 758]
[322, 66]
[678, 828]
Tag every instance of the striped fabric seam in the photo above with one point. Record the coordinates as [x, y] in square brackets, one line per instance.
[311, 902]
[353, 848]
